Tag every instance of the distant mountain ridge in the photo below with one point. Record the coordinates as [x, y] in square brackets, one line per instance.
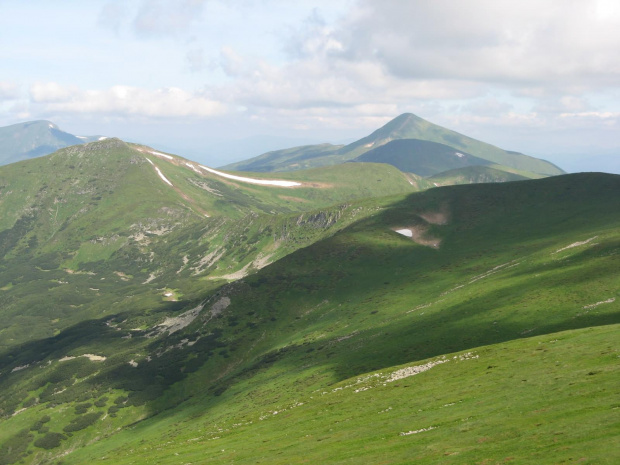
[34, 139]
[405, 126]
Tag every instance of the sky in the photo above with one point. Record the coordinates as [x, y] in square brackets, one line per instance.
[223, 80]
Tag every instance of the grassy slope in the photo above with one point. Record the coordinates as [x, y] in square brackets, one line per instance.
[368, 299]
[539, 400]
[420, 156]
[93, 229]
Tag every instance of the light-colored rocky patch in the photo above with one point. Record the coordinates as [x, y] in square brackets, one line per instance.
[344, 338]
[185, 262]
[242, 273]
[217, 308]
[574, 244]
[501, 267]
[151, 277]
[91, 357]
[122, 275]
[17, 412]
[262, 261]
[174, 324]
[608, 301]
[414, 370]
[19, 368]
[208, 260]
[418, 431]
[486, 274]
[422, 306]
[204, 185]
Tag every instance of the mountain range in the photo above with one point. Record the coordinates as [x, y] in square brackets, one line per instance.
[407, 140]
[35, 138]
[157, 310]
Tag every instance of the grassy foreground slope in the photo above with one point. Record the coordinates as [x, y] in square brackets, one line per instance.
[505, 298]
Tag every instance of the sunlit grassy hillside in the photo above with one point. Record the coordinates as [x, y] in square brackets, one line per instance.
[485, 324]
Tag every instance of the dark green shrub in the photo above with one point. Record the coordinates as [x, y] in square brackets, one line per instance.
[82, 408]
[120, 400]
[82, 422]
[101, 402]
[30, 402]
[113, 409]
[50, 440]
[40, 422]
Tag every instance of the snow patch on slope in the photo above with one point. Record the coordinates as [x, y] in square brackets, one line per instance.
[264, 182]
[161, 175]
[159, 154]
[405, 232]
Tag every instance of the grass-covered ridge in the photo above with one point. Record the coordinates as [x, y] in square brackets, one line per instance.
[95, 229]
[518, 281]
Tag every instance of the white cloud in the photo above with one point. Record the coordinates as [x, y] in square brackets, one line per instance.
[551, 42]
[124, 101]
[51, 92]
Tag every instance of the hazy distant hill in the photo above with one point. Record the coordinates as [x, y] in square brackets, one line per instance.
[405, 126]
[34, 139]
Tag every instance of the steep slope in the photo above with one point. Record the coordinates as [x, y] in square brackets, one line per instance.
[497, 297]
[34, 139]
[420, 157]
[405, 126]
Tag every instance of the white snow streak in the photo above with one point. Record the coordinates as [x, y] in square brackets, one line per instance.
[265, 182]
[193, 168]
[159, 172]
[162, 155]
